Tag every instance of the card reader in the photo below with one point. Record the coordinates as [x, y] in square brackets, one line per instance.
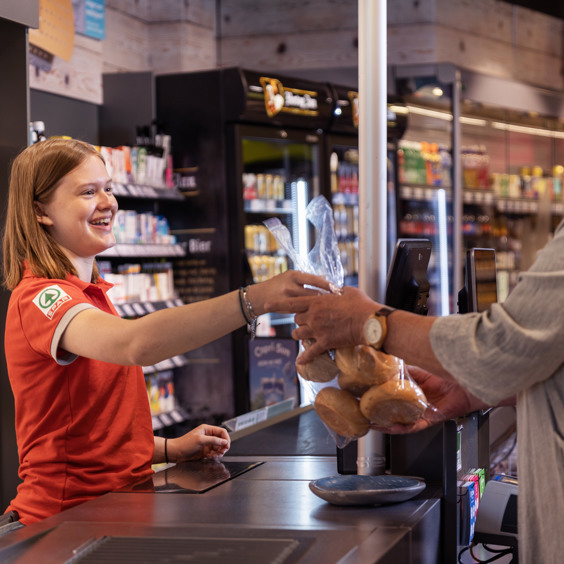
[496, 522]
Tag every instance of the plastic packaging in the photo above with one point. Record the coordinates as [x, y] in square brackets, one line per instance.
[367, 386]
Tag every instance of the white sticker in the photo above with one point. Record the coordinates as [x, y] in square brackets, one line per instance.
[50, 299]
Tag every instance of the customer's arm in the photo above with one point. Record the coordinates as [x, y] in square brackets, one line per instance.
[337, 320]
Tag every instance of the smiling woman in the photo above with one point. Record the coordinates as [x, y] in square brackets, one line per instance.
[83, 421]
[79, 214]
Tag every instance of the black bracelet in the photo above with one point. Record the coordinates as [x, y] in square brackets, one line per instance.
[166, 451]
[242, 306]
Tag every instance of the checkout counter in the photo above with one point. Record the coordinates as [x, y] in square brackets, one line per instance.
[261, 510]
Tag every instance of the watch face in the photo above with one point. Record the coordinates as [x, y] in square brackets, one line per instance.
[373, 330]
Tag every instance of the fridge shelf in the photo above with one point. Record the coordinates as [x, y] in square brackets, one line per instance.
[268, 206]
[423, 193]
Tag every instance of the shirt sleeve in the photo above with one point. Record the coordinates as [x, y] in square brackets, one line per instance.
[46, 307]
[514, 345]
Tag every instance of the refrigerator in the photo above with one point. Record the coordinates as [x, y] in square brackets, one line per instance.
[246, 146]
[425, 197]
[341, 173]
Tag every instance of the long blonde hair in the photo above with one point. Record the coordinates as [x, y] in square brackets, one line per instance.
[36, 173]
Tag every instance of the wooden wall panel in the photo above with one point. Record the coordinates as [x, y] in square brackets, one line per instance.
[248, 18]
[126, 47]
[181, 47]
[485, 36]
[287, 51]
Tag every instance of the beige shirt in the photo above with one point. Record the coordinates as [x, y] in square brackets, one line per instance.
[517, 348]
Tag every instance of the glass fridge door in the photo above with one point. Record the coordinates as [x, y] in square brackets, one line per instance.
[279, 177]
[424, 197]
[343, 181]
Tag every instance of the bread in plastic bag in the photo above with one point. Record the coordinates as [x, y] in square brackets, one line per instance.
[368, 387]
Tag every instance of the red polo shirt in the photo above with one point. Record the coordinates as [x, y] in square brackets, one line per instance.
[83, 426]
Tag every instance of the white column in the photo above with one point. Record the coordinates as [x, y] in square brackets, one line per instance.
[372, 129]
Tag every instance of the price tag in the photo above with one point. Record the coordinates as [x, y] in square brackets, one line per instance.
[138, 309]
[418, 194]
[249, 419]
[178, 360]
[164, 365]
[128, 310]
[177, 416]
[156, 423]
[166, 419]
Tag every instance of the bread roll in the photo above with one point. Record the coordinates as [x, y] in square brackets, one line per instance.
[340, 411]
[321, 369]
[397, 401]
[362, 367]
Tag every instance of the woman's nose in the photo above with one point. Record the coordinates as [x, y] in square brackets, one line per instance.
[107, 200]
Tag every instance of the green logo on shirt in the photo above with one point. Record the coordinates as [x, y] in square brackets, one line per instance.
[50, 299]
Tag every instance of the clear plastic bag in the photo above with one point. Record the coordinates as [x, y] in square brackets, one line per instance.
[329, 380]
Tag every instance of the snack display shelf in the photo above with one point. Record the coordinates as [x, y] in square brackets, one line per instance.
[137, 309]
[169, 418]
[144, 250]
[142, 191]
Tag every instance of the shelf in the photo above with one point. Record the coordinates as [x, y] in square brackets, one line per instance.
[144, 250]
[162, 420]
[141, 191]
[479, 196]
[268, 206]
[345, 198]
[136, 309]
[523, 206]
[167, 364]
[519, 206]
[423, 193]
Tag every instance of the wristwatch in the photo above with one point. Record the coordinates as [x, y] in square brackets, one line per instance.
[375, 327]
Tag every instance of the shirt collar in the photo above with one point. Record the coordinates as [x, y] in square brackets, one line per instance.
[100, 283]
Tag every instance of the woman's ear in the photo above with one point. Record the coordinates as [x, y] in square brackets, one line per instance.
[41, 214]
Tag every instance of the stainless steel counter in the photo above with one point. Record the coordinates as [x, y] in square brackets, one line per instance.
[269, 508]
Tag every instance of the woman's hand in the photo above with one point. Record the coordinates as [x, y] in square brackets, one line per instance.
[205, 441]
[289, 284]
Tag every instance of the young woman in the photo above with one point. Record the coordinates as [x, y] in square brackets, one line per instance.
[83, 422]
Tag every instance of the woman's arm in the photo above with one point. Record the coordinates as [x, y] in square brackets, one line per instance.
[166, 333]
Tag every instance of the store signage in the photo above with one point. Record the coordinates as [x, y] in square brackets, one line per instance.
[278, 99]
[90, 18]
[55, 35]
[272, 371]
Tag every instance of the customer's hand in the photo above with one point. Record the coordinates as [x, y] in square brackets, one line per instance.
[205, 441]
[330, 320]
[447, 399]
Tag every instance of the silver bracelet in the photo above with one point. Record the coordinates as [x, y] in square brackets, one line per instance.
[252, 325]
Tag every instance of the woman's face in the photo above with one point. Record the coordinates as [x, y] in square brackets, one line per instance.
[81, 211]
